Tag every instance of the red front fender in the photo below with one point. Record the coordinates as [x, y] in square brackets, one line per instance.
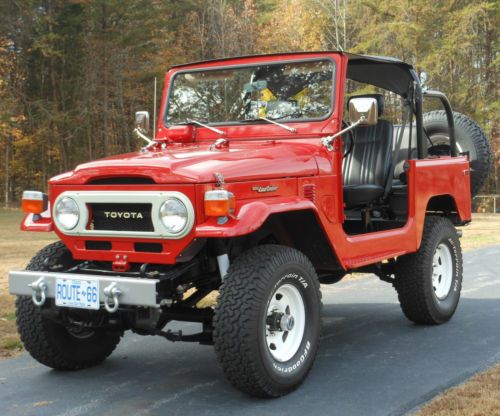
[43, 224]
[251, 216]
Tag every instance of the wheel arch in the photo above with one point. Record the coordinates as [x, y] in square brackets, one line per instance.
[444, 205]
[299, 229]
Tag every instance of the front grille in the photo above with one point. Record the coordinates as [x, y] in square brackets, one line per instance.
[148, 247]
[98, 245]
[120, 217]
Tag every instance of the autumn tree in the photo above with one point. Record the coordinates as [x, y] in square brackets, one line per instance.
[74, 72]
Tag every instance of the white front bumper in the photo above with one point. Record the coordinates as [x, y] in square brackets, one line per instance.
[133, 291]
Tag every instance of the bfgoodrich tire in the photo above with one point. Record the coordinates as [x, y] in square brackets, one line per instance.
[469, 138]
[429, 281]
[267, 320]
[50, 343]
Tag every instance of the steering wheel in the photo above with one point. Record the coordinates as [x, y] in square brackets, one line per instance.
[351, 136]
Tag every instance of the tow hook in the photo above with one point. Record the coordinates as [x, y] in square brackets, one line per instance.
[121, 264]
[112, 293]
[39, 288]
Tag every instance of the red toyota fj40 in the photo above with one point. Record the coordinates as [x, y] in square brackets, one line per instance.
[255, 186]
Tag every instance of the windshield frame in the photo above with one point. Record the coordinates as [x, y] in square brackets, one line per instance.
[167, 124]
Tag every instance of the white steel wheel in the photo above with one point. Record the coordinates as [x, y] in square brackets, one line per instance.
[442, 271]
[285, 322]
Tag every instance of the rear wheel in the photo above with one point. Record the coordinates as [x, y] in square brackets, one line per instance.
[267, 321]
[429, 281]
[74, 346]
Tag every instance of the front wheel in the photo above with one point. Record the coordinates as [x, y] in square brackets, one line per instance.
[429, 281]
[267, 321]
[61, 347]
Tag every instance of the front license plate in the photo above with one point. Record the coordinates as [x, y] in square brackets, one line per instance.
[77, 293]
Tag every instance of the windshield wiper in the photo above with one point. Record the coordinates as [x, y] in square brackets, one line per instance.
[283, 126]
[191, 121]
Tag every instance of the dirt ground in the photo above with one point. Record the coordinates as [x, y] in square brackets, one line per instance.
[480, 396]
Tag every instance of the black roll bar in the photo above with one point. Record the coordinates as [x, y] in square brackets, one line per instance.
[449, 116]
[417, 99]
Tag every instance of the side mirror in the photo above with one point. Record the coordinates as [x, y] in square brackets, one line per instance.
[363, 111]
[142, 121]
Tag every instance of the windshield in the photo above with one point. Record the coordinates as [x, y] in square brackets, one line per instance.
[285, 91]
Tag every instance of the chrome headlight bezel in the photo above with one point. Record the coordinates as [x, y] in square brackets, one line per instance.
[179, 216]
[71, 208]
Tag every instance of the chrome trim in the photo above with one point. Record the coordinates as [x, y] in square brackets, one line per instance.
[133, 291]
[34, 195]
[155, 198]
[178, 70]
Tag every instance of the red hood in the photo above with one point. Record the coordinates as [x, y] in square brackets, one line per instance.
[196, 163]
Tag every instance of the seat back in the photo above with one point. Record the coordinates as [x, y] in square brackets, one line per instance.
[369, 160]
[404, 154]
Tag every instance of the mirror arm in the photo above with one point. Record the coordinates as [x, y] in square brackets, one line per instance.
[142, 136]
[328, 140]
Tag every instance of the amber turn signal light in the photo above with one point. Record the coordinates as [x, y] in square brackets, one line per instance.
[34, 202]
[219, 203]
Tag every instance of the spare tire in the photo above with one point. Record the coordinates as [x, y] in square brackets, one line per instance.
[469, 138]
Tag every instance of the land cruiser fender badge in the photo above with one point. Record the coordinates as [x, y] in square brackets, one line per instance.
[262, 189]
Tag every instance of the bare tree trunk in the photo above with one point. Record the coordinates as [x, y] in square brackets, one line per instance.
[344, 31]
[7, 173]
[105, 81]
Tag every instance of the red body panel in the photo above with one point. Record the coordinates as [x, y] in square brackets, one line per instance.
[196, 163]
[43, 224]
[262, 155]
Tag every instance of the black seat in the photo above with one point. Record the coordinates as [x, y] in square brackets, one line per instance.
[366, 168]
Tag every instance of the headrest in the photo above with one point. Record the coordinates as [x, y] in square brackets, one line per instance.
[378, 97]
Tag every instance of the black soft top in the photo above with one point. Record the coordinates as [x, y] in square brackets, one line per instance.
[384, 72]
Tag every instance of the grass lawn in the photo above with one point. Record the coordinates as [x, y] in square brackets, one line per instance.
[16, 249]
[480, 396]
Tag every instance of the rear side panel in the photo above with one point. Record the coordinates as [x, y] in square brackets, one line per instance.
[427, 178]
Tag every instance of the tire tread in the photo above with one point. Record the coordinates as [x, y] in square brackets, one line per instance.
[479, 139]
[32, 328]
[414, 296]
[239, 295]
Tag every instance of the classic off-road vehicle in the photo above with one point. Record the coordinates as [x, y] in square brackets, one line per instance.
[255, 186]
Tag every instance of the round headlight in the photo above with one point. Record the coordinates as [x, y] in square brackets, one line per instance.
[67, 213]
[174, 215]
